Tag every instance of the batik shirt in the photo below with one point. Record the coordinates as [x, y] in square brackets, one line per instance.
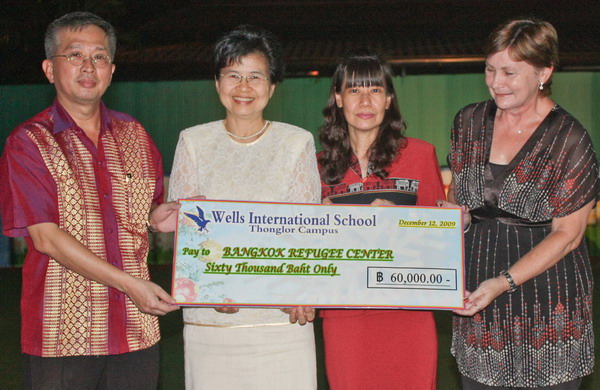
[100, 195]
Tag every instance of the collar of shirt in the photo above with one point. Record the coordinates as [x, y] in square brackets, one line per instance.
[64, 121]
[355, 166]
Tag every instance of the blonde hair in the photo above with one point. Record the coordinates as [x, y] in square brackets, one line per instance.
[531, 40]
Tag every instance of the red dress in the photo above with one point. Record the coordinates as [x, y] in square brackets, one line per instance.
[384, 349]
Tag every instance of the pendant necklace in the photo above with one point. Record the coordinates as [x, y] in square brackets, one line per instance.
[259, 132]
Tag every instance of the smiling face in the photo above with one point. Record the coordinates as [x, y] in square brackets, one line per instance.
[363, 106]
[84, 84]
[241, 99]
[513, 84]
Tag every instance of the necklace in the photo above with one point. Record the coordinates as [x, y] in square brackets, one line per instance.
[259, 132]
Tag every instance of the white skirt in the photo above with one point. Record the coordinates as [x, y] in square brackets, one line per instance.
[262, 357]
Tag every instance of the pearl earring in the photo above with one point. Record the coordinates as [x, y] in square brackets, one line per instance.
[541, 86]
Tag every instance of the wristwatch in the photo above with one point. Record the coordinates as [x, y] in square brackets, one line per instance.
[511, 282]
[150, 227]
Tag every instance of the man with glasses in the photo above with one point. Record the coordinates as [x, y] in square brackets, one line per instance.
[80, 181]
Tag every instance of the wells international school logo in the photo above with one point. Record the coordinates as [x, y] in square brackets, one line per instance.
[199, 219]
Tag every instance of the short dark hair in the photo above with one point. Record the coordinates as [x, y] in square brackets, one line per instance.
[359, 70]
[78, 21]
[531, 40]
[244, 40]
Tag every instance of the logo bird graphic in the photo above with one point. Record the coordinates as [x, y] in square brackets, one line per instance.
[198, 219]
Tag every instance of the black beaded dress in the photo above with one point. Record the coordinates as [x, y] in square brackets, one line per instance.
[541, 334]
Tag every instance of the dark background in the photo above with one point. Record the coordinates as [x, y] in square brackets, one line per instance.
[171, 40]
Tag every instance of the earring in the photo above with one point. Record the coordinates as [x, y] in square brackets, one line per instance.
[541, 86]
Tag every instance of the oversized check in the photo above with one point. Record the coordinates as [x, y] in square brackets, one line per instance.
[277, 254]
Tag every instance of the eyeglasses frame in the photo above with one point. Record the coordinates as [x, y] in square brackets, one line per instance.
[240, 77]
[93, 60]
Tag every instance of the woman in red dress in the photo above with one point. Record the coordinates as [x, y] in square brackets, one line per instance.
[366, 159]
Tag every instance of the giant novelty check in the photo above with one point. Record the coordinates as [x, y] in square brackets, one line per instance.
[278, 254]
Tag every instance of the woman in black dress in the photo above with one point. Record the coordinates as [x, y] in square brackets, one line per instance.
[527, 171]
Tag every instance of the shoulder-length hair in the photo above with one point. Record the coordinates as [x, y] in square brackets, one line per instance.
[363, 70]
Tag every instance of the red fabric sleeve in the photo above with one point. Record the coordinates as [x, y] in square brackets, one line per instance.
[431, 186]
[28, 191]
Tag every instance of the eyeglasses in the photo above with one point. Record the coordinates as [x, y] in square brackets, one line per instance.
[234, 78]
[77, 59]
